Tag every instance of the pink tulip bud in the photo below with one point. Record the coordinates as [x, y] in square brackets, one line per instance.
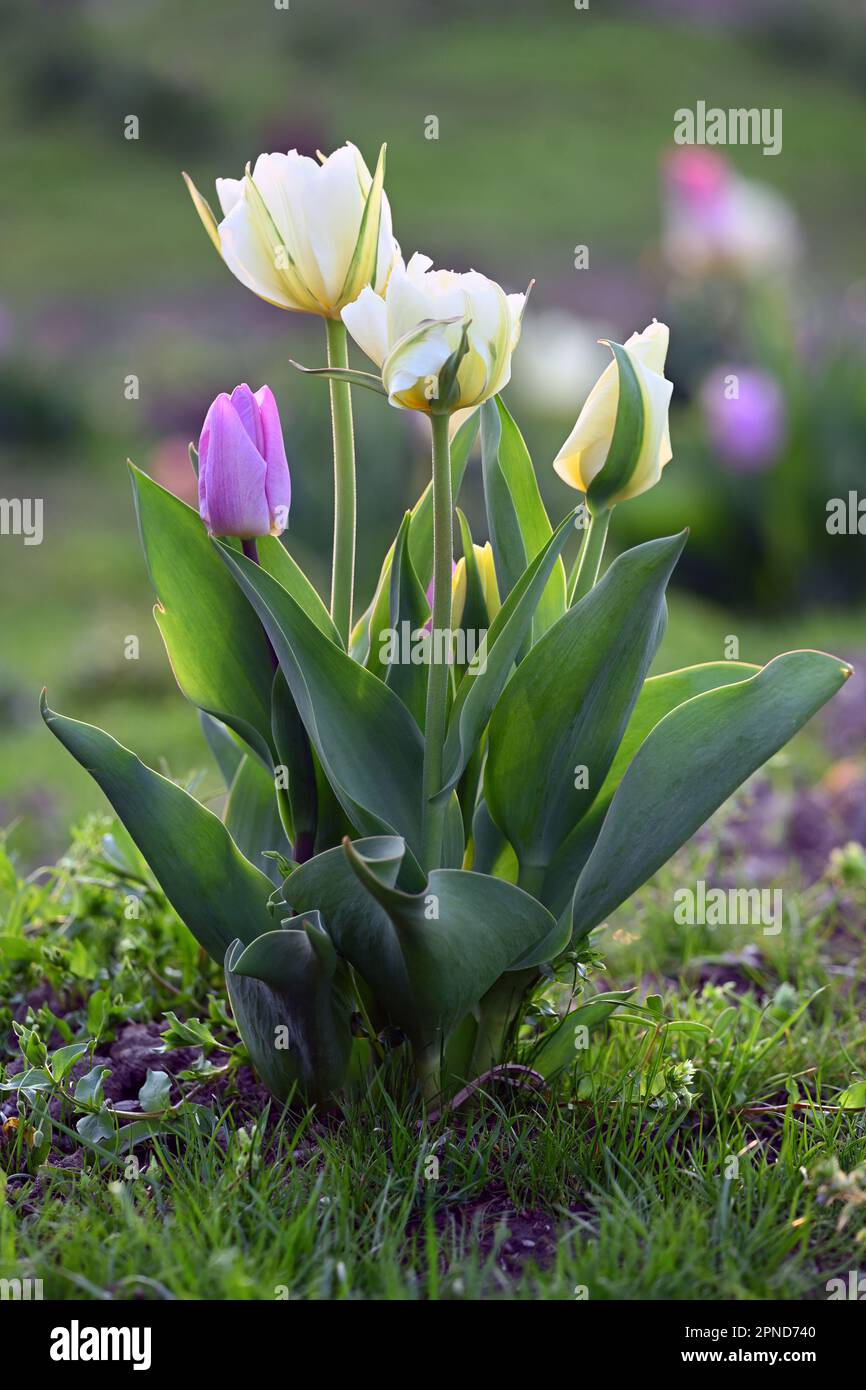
[244, 487]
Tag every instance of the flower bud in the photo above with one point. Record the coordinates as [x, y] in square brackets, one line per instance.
[244, 488]
[644, 445]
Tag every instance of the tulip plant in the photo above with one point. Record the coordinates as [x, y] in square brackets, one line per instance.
[414, 840]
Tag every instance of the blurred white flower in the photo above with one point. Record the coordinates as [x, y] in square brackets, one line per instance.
[559, 361]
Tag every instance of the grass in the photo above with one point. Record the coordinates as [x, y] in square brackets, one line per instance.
[626, 1180]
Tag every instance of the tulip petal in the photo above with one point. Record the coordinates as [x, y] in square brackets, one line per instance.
[275, 252]
[367, 321]
[245, 255]
[278, 483]
[286, 183]
[246, 405]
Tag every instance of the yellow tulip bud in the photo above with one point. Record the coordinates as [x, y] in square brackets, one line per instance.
[584, 454]
[489, 587]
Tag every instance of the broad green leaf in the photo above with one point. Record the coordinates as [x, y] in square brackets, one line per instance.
[516, 518]
[31, 1079]
[63, 1059]
[275, 558]
[627, 434]
[559, 1049]
[491, 850]
[567, 704]
[688, 765]
[88, 1088]
[427, 956]
[367, 741]
[215, 891]
[219, 655]
[227, 751]
[420, 547]
[485, 679]
[658, 696]
[155, 1094]
[252, 817]
[295, 755]
[292, 1000]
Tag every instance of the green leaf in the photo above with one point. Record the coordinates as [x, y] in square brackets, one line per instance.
[427, 956]
[275, 558]
[483, 684]
[215, 891]
[227, 751]
[689, 764]
[63, 1059]
[296, 756]
[627, 436]
[32, 1079]
[93, 1128]
[367, 741]
[516, 517]
[347, 374]
[659, 695]
[88, 1088]
[558, 1050]
[252, 817]
[853, 1097]
[408, 605]
[292, 1001]
[420, 547]
[219, 656]
[566, 706]
[155, 1094]
[186, 1032]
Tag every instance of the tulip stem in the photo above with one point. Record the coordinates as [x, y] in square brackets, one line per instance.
[437, 681]
[588, 562]
[343, 565]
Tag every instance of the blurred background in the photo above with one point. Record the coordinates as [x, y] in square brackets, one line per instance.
[555, 132]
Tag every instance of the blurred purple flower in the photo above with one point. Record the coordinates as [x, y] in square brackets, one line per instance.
[746, 422]
[244, 487]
